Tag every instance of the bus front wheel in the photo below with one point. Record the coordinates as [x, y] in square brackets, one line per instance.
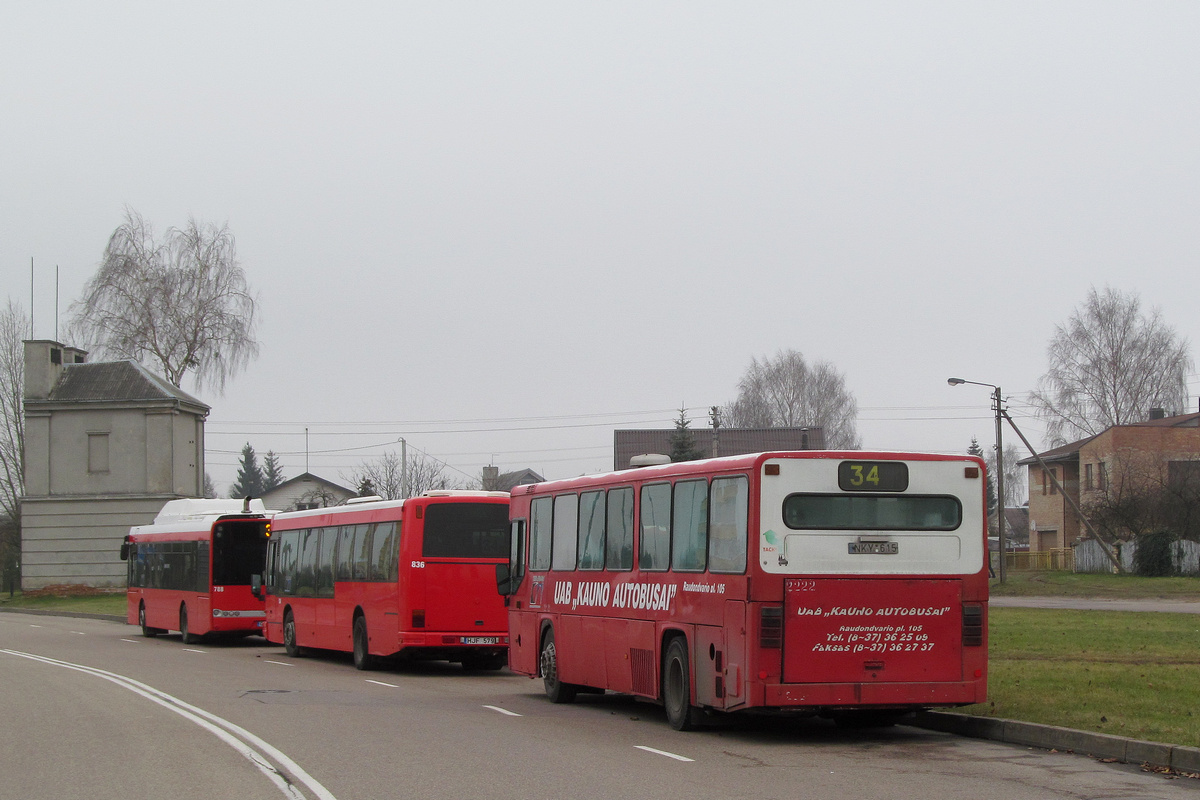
[362, 653]
[289, 636]
[556, 690]
[147, 631]
[677, 686]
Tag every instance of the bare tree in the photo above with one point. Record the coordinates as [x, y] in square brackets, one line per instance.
[785, 391]
[1015, 479]
[1146, 495]
[386, 475]
[1109, 365]
[14, 329]
[181, 304]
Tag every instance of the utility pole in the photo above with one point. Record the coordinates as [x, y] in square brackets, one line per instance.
[714, 414]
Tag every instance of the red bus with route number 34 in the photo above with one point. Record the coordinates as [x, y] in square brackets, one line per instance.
[851, 585]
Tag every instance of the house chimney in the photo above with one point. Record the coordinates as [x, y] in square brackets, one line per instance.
[44, 361]
[1157, 413]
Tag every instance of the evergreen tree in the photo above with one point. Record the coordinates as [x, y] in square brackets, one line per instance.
[272, 471]
[683, 441]
[249, 478]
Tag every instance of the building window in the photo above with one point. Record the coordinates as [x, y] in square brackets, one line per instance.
[97, 452]
[1087, 477]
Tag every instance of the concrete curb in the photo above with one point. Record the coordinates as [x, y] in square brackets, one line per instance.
[37, 612]
[1051, 737]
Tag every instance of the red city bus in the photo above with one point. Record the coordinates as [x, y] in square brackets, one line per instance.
[197, 568]
[851, 585]
[408, 578]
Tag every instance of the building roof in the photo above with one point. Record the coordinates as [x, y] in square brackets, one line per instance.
[1070, 452]
[507, 481]
[115, 381]
[309, 478]
[730, 441]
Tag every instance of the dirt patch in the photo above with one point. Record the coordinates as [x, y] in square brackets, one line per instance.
[70, 590]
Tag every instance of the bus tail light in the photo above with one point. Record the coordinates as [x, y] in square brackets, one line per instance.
[770, 627]
[418, 618]
[972, 625]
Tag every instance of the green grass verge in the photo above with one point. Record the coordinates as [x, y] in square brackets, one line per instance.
[89, 604]
[1124, 673]
[1024, 583]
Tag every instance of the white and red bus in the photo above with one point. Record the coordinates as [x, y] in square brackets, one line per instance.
[851, 585]
[197, 568]
[407, 578]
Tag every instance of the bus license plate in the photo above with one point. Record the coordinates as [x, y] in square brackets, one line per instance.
[481, 640]
[874, 548]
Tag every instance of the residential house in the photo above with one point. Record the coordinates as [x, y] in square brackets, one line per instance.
[496, 481]
[306, 491]
[1158, 450]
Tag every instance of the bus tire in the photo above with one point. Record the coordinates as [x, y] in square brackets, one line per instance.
[186, 636]
[556, 690]
[362, 652]
[677, 686]
[147, 631]
[289, 636]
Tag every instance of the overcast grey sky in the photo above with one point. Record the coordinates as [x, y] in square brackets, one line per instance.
[501, 230]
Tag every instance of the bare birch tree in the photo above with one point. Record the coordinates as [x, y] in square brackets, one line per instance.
[180, 305]
[1109, 365]
[785, 391]
[14, 328]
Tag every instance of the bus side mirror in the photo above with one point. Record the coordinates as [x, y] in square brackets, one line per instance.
[504, 580]
[125, 548]
[256, 586]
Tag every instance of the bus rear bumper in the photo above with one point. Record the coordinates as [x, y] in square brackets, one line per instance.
[885, 695]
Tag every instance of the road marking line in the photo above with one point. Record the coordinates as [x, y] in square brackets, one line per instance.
[190, 650]
[131, 641]
[381, 683]
[79, 633]
[210, 722]
[663, 753]
[280, 663]
[504, 711]
[35, 626]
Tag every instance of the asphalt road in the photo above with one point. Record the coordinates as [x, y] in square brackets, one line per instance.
[1097, 604]
[90, 709]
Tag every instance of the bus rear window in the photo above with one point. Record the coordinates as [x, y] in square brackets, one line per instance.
[466, 530]
[872, 512]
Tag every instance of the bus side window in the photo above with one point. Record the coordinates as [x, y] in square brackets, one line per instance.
[516, 553]
[325, 562]
[384, 552]
[566, 531]
[727, 526]
[344, 571]
[654, 549]
[591, 530]
[689, 540]
[362, 555]
[619, 529]
[539, 533]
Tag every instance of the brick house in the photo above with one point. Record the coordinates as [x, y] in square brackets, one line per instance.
[1158, 450]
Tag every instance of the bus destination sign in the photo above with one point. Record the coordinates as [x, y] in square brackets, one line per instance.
[873, 476]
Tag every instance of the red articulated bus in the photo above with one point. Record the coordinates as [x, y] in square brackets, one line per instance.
[197, 568]
[850, 585]
[408, 578]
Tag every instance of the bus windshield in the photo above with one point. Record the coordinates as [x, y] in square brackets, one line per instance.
[466, 530]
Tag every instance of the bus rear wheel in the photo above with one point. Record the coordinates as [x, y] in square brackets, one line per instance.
[147, 631]
[362, 653]
[289, 636]
[556, 690]
[184, 634]
[677, 686]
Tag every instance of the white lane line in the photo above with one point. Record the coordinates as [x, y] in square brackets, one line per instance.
[504, 711]
[191, 650]
[79, 633]
[131, 641]
[663, 753]
[35, 626]
[381, 683]
[280, 663]
[209, 722]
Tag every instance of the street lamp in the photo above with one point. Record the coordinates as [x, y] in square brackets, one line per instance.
[998, 407]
